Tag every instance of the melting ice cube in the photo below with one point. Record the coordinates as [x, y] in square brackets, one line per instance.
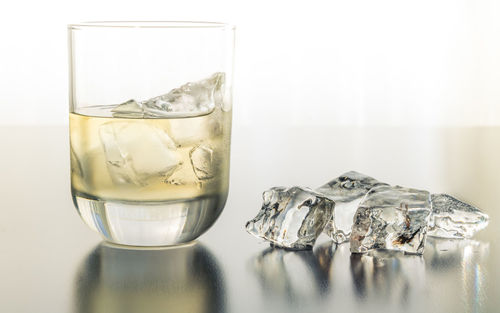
[131, 108]
[193, 131]
[375, 215]
[202, 160]
[452, 218]
[347, 191]
[291, 217]
[392, 218]
[136, 152]
[191, 99]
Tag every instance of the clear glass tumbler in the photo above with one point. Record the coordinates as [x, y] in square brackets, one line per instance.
[150, 127]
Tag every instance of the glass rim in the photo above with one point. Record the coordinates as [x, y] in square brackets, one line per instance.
[151, 24]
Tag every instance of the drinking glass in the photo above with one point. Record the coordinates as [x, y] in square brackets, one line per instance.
[150, 127]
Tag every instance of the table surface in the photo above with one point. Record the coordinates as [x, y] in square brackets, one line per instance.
[51, 262]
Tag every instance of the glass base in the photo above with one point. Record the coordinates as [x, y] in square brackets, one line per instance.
[150, 223]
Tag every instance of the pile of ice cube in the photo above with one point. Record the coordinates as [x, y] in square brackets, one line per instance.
[190, 99]
[370, 214]
[125, 143]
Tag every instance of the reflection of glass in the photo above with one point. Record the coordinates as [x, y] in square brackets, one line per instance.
[181, 279]
[153, 170]
[299, 276]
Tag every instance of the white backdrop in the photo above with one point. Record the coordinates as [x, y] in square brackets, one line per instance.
[335, 62]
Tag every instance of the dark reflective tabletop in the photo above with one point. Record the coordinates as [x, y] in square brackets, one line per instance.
[51, 262]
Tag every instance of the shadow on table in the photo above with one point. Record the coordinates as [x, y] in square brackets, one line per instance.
[383, 278]
[117, 279]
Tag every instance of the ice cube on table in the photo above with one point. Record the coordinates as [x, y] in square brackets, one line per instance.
[347, 191]
[191, 99]
[202, 160]
[391, 218]
[452, 218]
[291, 217]
[136, 152]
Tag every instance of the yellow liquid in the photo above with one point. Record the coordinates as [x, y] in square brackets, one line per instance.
[149, 181]
[152, 159]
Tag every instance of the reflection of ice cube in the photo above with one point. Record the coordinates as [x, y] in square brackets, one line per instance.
[202, 159]
[447, 254]
[191, 99]
[297, 276]
[136, 152]
[381, 275]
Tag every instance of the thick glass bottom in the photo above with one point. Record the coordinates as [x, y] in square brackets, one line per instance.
[161, 223]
